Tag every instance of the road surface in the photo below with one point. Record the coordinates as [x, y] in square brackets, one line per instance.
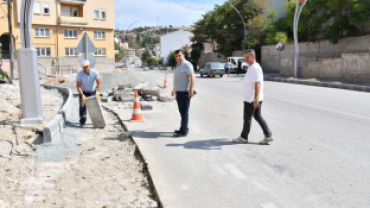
[320, 156]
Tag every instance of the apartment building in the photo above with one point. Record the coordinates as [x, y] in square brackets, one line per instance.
[58, 27]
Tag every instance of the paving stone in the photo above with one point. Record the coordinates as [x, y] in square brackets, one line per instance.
[96, 112]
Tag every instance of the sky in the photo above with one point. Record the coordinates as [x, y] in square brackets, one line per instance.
[161, 12]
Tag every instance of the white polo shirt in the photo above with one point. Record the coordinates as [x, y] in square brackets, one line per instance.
[254, 74]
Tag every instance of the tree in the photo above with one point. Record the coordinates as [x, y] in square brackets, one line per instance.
[332, 19]
[224, 26]
[147, 57]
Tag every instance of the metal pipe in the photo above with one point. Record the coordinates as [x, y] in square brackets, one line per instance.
[23, 22]
[28, 25]
[297, 14]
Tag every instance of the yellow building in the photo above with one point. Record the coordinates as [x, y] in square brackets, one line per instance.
[58, 26]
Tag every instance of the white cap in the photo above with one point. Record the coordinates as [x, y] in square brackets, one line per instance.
[85, 63]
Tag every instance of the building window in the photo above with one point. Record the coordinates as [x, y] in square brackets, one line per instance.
[43, 52]
[37, 8]
[74, 12]
[100, 52]
[96, 14]
[103, 15]
[4, 1]
[70, 52]
[70, 33]
[99, 35]
[46, 8]
[42, 32]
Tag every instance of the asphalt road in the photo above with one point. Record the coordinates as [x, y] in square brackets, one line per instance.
[320, 156]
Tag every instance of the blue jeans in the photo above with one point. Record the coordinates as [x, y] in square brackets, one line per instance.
[228, 71]
[83, 111]
[183, 103]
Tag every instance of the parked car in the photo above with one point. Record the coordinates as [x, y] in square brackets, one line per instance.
[238, 65]
[213, 69]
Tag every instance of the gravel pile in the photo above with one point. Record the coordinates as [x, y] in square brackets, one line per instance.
[116, 78]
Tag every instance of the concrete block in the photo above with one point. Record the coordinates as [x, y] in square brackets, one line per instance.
[150, 91]
[96, 112]
[60, 119]
[141, 85]
[146, 106]
[51, 131]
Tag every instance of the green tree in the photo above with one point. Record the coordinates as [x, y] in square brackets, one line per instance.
[147, 57]
[223, 25]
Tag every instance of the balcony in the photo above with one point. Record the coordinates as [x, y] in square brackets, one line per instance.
[78, 21]
[77, 2]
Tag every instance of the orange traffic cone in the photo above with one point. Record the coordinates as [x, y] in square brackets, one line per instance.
[165, 82]
[136, 115]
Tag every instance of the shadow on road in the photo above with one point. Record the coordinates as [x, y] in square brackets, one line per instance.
[151, 135]
[211, 144]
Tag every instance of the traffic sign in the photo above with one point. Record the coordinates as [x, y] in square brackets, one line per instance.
[86, 46]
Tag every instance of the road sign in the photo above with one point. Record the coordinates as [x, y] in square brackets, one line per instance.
[86, 46]
[280, 47]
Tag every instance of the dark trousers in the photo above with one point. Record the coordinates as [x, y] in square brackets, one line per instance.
[249, 112]
[83, 111]
[183, 103]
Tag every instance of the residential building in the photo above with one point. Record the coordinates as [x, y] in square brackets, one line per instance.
[174, 41]
[59, 25]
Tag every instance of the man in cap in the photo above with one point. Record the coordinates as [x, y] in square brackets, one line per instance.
[88, 84]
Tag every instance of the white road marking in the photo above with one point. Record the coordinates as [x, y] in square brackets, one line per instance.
[321, 108]
[234, 171]
[269, 205]
[260, 186]
[219, 169]
[316, 197]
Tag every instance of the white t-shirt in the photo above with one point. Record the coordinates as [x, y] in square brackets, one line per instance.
[254, 74]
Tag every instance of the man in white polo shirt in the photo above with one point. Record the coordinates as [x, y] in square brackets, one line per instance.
[253, 97]
[88, 84]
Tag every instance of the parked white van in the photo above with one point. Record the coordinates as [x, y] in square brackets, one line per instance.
[238, 63]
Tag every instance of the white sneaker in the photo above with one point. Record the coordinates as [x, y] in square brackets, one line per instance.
[240, 140]
[266, 140]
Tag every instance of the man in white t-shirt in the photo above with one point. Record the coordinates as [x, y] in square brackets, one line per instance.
[253, 97]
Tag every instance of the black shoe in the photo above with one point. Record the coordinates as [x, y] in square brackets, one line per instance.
[177, 132]
[180, 134]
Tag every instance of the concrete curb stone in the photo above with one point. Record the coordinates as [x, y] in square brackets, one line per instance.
[321, 84]
[56, 125]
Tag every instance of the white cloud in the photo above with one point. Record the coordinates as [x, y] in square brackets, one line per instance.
[148, 12]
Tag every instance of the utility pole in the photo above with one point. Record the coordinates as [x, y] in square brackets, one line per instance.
[297, 14]
[11, 43]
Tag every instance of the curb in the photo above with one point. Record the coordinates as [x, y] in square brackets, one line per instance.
[56, 125]
[321, 84]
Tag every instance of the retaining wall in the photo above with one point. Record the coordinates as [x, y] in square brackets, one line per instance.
[346, 61]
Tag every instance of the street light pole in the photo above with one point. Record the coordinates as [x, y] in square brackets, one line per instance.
[28, 70]
[127, 39]
[244, 28]
[297, 14]
[11, 42]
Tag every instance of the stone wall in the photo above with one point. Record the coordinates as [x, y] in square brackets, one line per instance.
[323, 60]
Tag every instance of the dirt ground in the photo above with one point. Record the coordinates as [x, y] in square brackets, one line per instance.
[85, 167]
